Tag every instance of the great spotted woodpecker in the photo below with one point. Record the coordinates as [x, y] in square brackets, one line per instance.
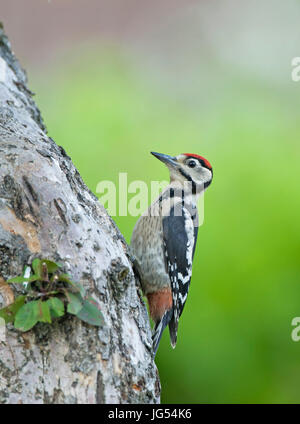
[164, 239]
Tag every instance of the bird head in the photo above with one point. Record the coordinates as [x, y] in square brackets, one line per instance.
[188, 168]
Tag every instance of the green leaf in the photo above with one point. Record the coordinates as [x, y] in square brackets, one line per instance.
[9, 312]
[33, 277]
[27, 316]
[79, 288]
[75, 302]
[17, 280]
[37, 267]
[65, 278]
[21, 279]
[52, 266]
[90, 313]
[44, 312]
[56, 306]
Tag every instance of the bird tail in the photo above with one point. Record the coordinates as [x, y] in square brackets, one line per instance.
[159, 328]
[173, 327]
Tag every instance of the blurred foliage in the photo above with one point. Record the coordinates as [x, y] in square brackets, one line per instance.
[234, 341]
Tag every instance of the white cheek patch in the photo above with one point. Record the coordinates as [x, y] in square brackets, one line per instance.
[202, 177]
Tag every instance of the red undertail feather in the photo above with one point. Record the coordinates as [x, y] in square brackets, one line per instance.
[159, 303]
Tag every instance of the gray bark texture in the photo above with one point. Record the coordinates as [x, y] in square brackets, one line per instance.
[47, 211]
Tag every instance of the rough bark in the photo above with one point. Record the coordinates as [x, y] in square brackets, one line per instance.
[47, 211]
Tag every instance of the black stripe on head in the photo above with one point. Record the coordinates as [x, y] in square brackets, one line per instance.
[208, 183]
[204, 164]
[190, 179]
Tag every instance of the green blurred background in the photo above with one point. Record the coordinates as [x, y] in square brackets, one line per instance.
[174, 78]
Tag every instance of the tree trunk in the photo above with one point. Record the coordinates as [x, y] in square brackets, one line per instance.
[47, 211]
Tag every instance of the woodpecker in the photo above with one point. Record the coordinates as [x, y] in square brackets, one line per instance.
[164, 239]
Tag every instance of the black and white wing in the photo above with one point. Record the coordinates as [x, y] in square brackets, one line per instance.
[180, 236]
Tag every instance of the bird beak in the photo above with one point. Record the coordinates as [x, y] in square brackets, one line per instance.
[168, 160]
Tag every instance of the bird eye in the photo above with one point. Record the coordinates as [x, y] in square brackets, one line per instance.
[192, 163]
